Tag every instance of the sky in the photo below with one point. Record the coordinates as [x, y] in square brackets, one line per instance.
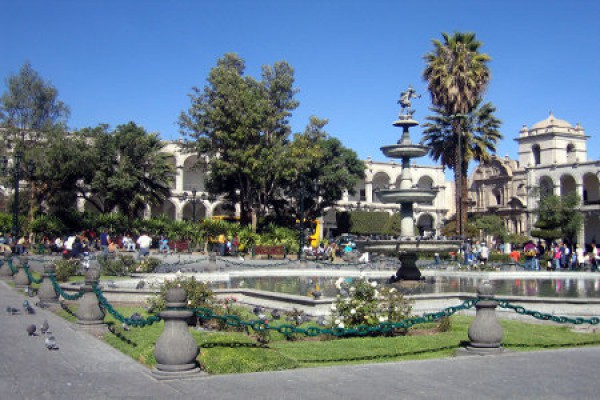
[119, 61]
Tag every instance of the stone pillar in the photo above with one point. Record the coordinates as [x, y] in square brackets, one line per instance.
[46, 293]
[90, 317]
[212, 262]
[176, 350]
[21, 279]
[5, 271]
[485, 333]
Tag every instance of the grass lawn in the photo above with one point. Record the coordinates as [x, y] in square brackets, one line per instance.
[237, 352]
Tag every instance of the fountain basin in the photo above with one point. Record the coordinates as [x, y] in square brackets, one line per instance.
[405, 150]
[406, 195]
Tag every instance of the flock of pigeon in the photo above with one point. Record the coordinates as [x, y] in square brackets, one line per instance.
[31, 329]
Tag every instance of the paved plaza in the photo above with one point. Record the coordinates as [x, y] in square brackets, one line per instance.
[87, 368]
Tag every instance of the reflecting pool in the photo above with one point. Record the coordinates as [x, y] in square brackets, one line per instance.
[564, 287]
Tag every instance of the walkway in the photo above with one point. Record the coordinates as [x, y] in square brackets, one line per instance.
[87, 368]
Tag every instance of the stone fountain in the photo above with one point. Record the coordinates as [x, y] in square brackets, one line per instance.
[407, 246]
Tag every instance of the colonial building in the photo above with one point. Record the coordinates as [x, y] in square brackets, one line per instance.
[552, 159]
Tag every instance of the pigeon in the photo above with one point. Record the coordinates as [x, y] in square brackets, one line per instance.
[51, 343]
[42, 305]
[111, 285]
[136, 316]
[257, 310]
[31, 330]
[126, 327]
[44, 328]
[12, 310]
[262, 316]
[316, 294]
[276, 314]
[321, 320]
[27, 307]
[140, 284]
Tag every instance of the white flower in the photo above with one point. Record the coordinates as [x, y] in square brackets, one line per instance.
[392, 290]
[337, 322]
[373, 284]
[341, 325]
[382, 319]
[352, 289]
[338, 283]
[353, 311]
[376, 294]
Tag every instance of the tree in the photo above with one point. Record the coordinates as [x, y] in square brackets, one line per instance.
[558, 217]
[457, 76]
[242, 125]
[29, 110]
[321, 170]
[131, 171]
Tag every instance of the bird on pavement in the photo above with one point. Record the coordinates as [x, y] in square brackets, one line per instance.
[50, 343]
[31, 330]
[27, 307]
[12, 310]
[276, 314]
[126, 327]
[45, 327]
[140, 285]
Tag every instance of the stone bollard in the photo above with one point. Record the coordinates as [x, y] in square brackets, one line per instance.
[5, 271]
[21, 278]
[485, 333]
[90, 317]
[46, 293]
[212, 262]
[176, 350]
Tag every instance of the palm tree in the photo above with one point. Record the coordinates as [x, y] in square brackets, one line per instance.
[457, 75]
[479, 137]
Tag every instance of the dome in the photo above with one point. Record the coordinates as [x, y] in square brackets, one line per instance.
[551, 121]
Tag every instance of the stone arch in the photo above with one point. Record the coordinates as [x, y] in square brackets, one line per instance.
[380, 180]
[425, 225]
[173, 162]
[187, 212]
[571, 154]
[567, 185]
[546, 186]
[591, 189]
[167, 208]
[536, 153]
[425, 182]
[194, 174]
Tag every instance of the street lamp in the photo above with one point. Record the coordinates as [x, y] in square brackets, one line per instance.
[194, 200]
[16, 173]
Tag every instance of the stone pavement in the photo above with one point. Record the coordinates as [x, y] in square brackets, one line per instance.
[86, 368]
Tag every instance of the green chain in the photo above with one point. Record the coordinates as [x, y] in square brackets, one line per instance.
[547, 317]
[137, 323]
[30, 275]
[61, 292]
[361, 330]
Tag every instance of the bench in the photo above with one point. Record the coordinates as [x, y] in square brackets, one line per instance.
[269, 251]
[180, 246]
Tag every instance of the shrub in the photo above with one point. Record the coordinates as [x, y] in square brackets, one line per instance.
[361, 303]
[65, 269]
[198, 293]
[445, 324]
[146, 265]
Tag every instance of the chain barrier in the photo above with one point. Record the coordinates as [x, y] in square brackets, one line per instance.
[139, 322]
[547, 317]
[260, 325]
[30, 275]
[61, 292]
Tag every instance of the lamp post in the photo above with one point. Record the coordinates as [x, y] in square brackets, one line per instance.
[16, 173]
[194, 200]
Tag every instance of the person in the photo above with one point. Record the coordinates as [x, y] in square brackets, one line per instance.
[364, 258]
[530, 251]
[556, 256]
[580, 253]
[514, 255]
[22, 245]
[541, 250]
[221, 244]
[484, 253]
[78, 249]
[594, 257]
[104, 242]
[164, 245]
[235, 245]
[4, 247]
[144, 242]
[308, 250]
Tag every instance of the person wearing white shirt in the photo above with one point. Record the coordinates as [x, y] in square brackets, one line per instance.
[144, 242]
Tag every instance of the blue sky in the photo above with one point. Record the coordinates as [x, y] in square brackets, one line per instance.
[120, 61]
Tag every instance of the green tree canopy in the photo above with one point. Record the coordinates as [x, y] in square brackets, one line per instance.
[558, 217]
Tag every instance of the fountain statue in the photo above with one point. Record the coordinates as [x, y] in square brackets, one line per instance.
[407, 246]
